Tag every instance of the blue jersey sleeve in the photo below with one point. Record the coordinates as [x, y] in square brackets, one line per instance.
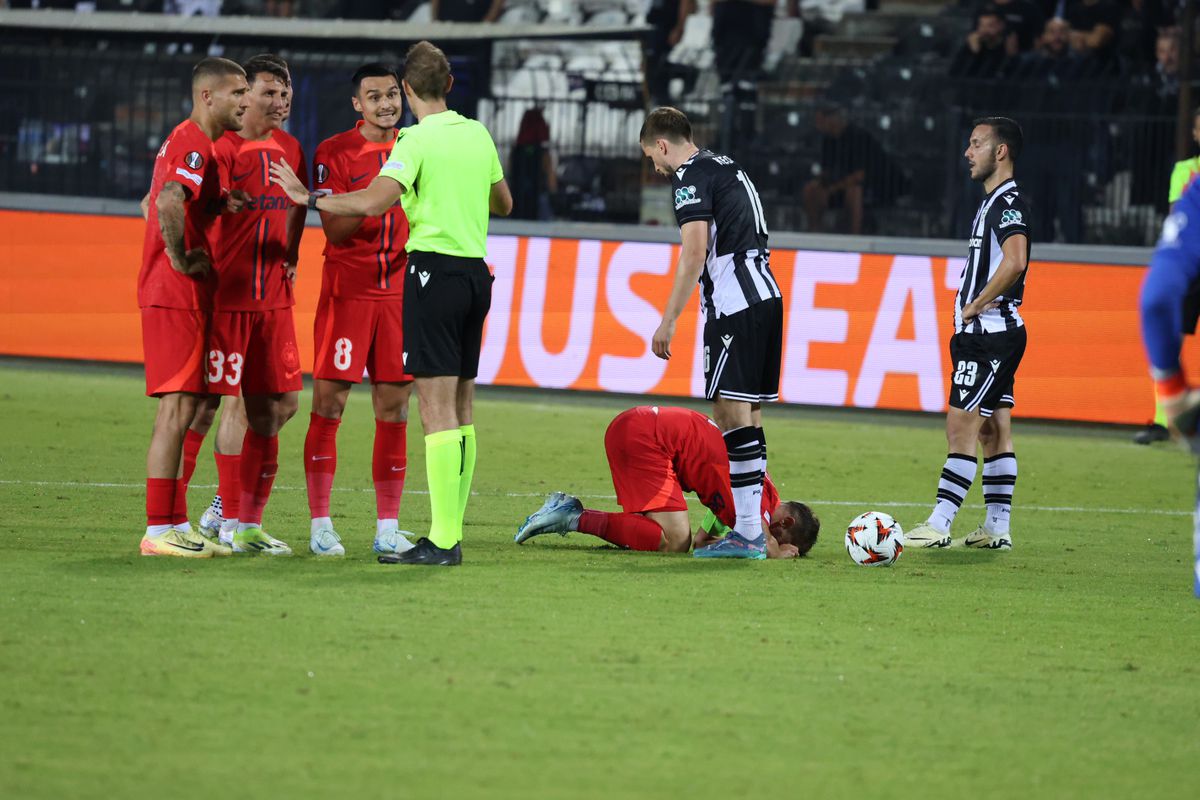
[1174, 267]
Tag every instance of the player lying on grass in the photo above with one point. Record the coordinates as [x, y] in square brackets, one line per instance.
[655, 454]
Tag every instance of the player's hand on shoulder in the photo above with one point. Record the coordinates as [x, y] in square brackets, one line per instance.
[283, 176]
[235, 201]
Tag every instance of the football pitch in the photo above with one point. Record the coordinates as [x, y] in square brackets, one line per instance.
[1069, 667]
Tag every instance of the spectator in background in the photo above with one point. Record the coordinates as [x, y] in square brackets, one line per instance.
[856, 172]
[1023, 19]
[740, 32]
[984, 54]
[1155, 102]
[531, 169]
[466, 10]
[667, 18]
[1094, 26]
[1054, 164]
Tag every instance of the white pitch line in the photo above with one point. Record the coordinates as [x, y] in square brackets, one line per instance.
[854, 503]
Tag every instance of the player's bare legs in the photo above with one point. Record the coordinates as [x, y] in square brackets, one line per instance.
[438, 398]
[999, 481]
[746, 447]
[175, 412]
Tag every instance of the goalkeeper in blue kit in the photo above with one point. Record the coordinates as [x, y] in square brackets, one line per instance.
[1169, 307]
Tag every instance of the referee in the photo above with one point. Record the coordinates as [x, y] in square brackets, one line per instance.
[446, 173]
[987, 346]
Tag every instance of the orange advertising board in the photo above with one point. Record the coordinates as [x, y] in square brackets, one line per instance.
[862, 330]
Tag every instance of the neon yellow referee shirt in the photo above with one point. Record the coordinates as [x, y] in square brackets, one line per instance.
[447, 164]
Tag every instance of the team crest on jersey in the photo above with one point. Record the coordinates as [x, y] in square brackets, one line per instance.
[322, 173]
[194, 160]
[685, 196]
[1011, 217]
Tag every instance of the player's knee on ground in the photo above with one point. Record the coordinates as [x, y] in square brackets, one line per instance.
[676, 530]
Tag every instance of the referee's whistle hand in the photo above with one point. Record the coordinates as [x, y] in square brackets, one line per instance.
[283, 177]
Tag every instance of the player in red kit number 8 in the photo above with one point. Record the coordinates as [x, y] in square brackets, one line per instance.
[359, 319]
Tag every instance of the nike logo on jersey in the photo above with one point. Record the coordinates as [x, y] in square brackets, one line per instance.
[424, 277]
[995, 365]
[243, 176]
[727, 340]
[962, 394]
[359, 178]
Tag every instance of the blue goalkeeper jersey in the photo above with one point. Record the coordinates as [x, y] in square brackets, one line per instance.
[1174, 270]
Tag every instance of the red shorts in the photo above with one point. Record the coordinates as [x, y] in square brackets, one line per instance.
[173, 347]
[253, 352]
[642, 472]
[350, 335]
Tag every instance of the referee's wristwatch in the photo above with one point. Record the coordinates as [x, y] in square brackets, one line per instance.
[313, 197]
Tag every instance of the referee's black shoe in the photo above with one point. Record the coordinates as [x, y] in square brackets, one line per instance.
[427, 553]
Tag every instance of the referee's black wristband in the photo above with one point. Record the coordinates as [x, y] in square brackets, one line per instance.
[313, 197]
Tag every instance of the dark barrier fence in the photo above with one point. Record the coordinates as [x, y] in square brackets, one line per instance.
[83, 114]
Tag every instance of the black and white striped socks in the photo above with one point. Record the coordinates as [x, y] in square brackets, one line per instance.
[746, 450]
[999, 480]
[957, 476]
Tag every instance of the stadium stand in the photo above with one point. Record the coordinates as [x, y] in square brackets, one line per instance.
[1102, 129]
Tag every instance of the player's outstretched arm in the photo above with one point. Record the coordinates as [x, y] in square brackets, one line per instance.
[691, 261]
[380, 195]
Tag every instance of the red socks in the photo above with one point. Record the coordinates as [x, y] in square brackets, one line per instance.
[388, 466]
[625, 530]
[229, 484]
[260, 462]
[320, 462]
[191, 447]
[160, 500]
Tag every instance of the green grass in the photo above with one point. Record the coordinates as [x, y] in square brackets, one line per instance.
[1069, 667]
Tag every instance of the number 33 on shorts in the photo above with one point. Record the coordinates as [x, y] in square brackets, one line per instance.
[222, 367]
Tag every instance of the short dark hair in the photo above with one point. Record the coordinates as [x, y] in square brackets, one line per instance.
[1006, 131]
[666, 123]
[803, 534]
[427, 70]
[270, 64]
[375, 69]
[213, 67]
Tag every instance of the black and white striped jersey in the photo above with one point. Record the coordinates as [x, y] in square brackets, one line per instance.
[737, 268]
[1003, 213]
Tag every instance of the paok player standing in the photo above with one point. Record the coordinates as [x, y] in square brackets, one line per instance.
[359, 319]
[174, 294]
[986, 349]
[253, 344]
[724, 235]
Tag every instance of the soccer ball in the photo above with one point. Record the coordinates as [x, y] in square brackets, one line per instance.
[874, 539]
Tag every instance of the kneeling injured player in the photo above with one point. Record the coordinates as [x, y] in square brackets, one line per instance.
[655, 454]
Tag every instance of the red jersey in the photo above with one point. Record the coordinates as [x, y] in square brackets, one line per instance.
[186, 158]
[770, 499]
[250, 246]
[369, 264]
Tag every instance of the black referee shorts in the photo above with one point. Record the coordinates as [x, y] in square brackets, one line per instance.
[984, 368]
[742, 353]
[446, 299]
